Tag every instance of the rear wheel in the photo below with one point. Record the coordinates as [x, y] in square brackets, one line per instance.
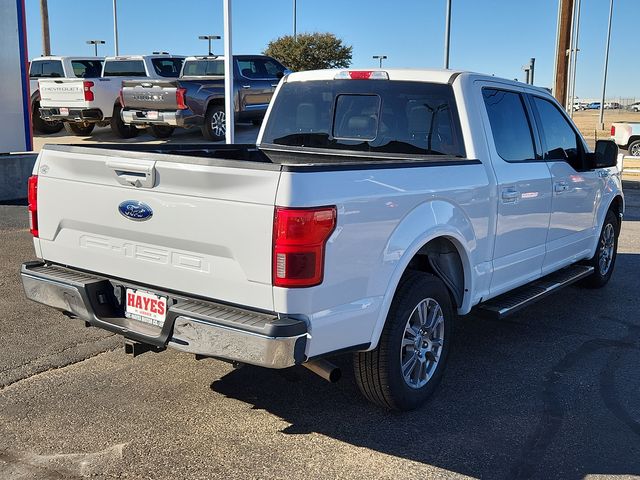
[120, 128]
[161, 131]
[46, 127]
[634, 148]
[407, 365]
[605, 257]
[80, 129]
[215, 126]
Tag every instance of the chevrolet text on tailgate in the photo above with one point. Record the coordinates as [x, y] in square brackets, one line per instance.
[375, 208]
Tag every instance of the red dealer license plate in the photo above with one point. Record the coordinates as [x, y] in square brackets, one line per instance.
[146, 307]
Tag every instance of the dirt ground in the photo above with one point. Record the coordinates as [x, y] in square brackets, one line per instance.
[587, 121]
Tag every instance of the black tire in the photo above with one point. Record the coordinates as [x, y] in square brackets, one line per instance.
[379, 372]
[120, 128]
[214, 128]
[634, 148]
[45, 127]
[600, 275]
[80, 129]
[161, 131]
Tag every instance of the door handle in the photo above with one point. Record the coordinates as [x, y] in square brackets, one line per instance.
[274, 85]
[140, 174]
[560, 187]
[510, 196]
[246, 86]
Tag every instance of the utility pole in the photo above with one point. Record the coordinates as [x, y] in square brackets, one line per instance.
[606, 66]
[46, 41]
[532, 68]
[95, 44]
[573, 59]
[115, 28]
[447, 35]
[209, 38]
[563, 44]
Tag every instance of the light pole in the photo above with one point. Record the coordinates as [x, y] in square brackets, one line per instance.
[209, 38]
[606, 66]
[228, 73]
[115, 28]
[447, 35]
[381, 58]
[95, 44]
[295, 23]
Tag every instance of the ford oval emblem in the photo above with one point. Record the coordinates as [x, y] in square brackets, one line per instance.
[135, 210]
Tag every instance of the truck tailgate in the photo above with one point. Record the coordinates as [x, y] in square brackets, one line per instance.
[62, 92]
[150, 95]
[210, 233]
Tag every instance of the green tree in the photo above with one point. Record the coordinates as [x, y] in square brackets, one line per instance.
[310, 51]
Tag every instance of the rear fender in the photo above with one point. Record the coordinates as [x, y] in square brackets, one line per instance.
[428, 221]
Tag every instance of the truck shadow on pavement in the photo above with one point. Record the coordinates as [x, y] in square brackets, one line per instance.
[552, 392]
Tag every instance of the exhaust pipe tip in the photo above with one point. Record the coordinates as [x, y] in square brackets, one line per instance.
[327, 370]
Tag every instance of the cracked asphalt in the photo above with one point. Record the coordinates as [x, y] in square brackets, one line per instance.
[553, 392]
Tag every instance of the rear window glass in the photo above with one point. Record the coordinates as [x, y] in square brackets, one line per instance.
[87, 68]
[167, 67]
[377, 116]
[46, 69]
[124, 68]
[199, 68]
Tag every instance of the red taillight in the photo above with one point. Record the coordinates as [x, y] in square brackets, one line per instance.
[180, 98]
[299, 238]
[32, 196]
[88, 94]
[121, 96]
[613, 130]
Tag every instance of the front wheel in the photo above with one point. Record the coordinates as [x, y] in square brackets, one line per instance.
[215, 126]
[407, 365]
[634, 148]
[605, 257]
[80, 129]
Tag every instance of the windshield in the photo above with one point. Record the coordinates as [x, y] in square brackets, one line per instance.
[377, 116]
[167, 67]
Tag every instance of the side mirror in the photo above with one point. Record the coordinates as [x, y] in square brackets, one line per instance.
[605, 156]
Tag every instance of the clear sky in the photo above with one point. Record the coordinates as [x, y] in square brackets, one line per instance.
[489, 36]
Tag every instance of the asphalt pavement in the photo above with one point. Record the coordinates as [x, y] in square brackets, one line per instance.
[553, 392]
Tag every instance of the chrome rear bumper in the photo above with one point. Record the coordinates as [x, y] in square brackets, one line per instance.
[192, 325]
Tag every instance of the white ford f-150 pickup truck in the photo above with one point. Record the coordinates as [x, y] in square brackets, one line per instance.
[86, 102]
[627, 135]
[375, 208]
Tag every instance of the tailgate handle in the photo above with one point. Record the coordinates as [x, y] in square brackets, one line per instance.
[139, 174]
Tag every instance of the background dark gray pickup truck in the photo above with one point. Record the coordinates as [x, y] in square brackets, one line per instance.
[196, 99]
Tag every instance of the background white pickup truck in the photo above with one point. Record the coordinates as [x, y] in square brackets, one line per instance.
[57, 67]
[376, 207]
[627, 135]
[83, 104]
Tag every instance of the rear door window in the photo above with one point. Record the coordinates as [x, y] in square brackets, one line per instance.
[510, 125]
[376, 116]
[86, 68]
[259, 68]
[124, 68]
[167, 67]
